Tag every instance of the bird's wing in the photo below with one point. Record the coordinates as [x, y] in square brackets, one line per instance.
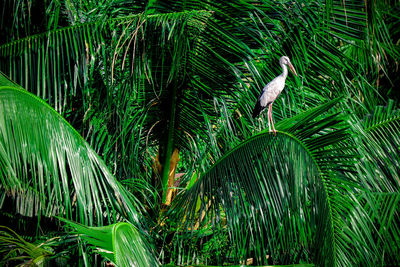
[271, 92]
[268, 95]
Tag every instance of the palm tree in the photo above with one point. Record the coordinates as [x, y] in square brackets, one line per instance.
[172, 86]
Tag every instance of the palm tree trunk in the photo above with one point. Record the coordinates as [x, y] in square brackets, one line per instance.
[169, 146]
[171, 177]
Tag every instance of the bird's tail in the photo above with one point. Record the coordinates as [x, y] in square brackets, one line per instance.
[257, 109]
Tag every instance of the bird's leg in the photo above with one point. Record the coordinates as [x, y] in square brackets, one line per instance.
[272, 121]
[269, 117]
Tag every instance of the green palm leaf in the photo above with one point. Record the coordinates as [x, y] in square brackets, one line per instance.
[121, 243]
[288, 196]
[48, 167]
[379, 143]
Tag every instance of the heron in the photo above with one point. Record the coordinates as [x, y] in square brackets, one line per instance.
[272, 90]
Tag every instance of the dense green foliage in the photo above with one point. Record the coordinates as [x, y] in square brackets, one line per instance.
[126, 133]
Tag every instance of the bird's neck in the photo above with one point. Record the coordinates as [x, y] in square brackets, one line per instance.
[285, 71]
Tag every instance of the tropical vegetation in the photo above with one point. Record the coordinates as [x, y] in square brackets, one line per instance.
[126, 135]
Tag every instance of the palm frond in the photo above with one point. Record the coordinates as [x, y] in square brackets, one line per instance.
[49, 169]
[121, 243]
[379, 144]
[383, 208]
[15, 249]
[365, 26]
[287, 196]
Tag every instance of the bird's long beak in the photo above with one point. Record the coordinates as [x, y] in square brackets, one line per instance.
[292, 69]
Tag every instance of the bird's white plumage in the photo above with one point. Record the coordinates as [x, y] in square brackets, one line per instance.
[272, 90]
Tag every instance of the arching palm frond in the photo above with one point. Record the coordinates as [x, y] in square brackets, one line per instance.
[48, 168]
[121, 243]
[288, 196]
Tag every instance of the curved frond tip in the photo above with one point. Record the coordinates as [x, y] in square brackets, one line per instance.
[121, 243]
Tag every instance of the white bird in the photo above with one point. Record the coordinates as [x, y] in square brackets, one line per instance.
[272, 90]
